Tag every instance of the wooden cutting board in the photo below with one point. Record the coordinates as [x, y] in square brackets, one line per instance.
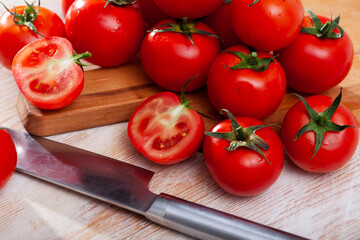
[110, 95]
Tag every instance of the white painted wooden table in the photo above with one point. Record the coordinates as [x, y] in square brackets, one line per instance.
[317, 206]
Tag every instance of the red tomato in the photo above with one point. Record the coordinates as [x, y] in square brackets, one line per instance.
[268, 24]
[46, 73]
[170, 58]
[313, 64]
[65, 4]
[336, 149]
[243, 171]
[13, 37]
[191, 9]
[245, 92]
[220, 22]
[8, 157]
[113, 34]
[151, 12]
[164, 130]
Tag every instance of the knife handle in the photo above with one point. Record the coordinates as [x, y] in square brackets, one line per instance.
[206, 223]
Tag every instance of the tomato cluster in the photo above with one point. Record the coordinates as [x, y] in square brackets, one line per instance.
[246, 53]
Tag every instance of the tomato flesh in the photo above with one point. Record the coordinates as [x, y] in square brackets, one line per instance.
[40, 55]
[165, 131]
[46, 74]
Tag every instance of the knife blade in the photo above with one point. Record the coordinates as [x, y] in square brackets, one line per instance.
[126, 186]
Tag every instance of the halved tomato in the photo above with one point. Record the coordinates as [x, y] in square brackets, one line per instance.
[48, 74]
[165, 130]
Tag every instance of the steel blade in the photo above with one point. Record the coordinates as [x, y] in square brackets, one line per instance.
[101, 177]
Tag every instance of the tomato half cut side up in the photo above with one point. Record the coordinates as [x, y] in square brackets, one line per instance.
[164, 130]
[47, 74]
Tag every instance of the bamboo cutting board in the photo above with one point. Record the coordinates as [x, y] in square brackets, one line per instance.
[111, 95]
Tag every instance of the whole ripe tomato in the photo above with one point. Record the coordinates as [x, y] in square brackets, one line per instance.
[165, 130]
[65, 5]
[315, 64]
[244, 156]
[15, 36]
[47, 72]
[267, 25]
[171, 58]
[242, 82]
[319, 134]
[220, 22]
[112, 34]
[8, 157]
[151, 12]
[191, 9]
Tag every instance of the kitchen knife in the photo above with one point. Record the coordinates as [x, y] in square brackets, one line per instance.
[126, 186]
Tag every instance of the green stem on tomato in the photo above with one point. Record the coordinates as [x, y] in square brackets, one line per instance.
[77, 57]
[251, 61]
[183, 27]
[120, 2]
[326, 30]
[320, 123]
[242, 137]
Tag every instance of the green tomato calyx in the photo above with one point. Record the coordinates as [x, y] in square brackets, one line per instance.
[183, 27]
[251, 61]
[326, 30]
[120, 2]
[320, 123]
[27, 18]
[242, 137]
[255, 2]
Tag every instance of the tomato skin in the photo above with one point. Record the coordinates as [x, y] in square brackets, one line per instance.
[220, 22]
[13, 37]
[337, 148]
[8, 158]
[243, 172]
[191, 9]
[245, 92]
[151, 12]
[170, 59]
[154, 111]
[65, 5]
[115, 34]
[31, 73]
[314, 65]
[280, 22]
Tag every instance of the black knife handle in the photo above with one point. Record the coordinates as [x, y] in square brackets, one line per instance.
[206, 223]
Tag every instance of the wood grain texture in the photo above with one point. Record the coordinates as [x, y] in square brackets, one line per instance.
[317, 206]
[109, 96]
